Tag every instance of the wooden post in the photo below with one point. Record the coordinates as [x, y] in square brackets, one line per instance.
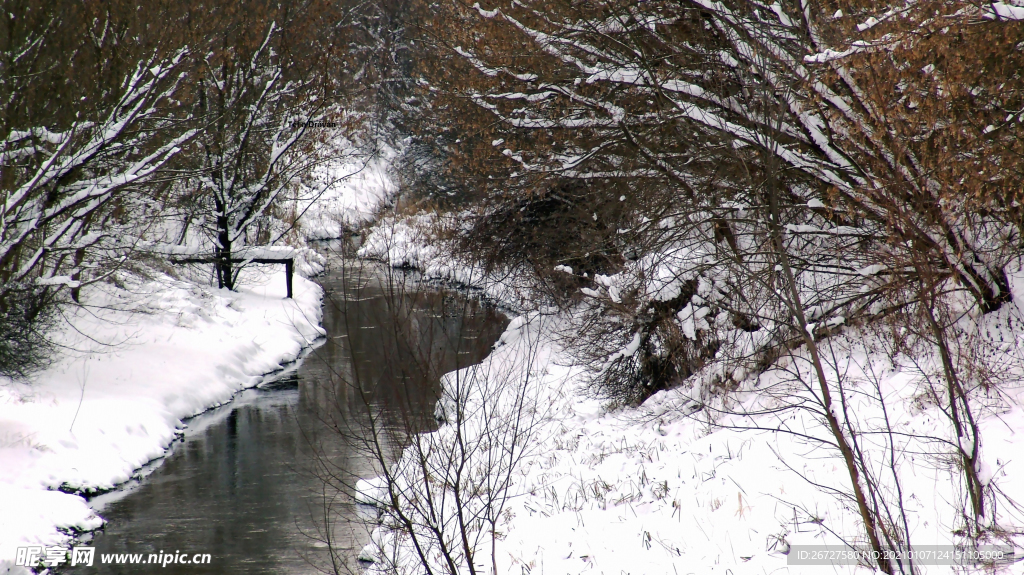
[289, 265]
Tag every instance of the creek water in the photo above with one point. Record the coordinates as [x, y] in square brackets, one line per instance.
[263, 484]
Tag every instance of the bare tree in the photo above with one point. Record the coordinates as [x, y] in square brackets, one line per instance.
[268, 102]
[80, 161]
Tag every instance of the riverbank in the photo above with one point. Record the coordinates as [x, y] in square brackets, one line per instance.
[691, 482]
[138, 359]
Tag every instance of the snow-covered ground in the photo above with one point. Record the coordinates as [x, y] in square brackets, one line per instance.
[137, 361]
[364, 186]
[655, 490]
[674, 487]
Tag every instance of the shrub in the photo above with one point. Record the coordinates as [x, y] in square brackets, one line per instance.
[27, 314]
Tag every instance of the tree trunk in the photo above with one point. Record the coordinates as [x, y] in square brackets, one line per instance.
[223, 253]
[795, 305]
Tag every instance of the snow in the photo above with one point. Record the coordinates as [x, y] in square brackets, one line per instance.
[695, 483]
[671, 486]
[1003, 11]
[652, 490]
[139, 362]
[353, 201]
[372, 491]
[691, 320]
[871, 270]
[409, 243]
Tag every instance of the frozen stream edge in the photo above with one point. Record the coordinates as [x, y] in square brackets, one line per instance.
[99, 417]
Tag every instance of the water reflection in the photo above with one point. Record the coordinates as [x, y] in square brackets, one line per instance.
[246, 484]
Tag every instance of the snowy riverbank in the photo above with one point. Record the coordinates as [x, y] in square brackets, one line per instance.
[139, 360]
[691, 483]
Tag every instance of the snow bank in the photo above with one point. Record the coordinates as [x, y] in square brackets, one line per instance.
[363, 187]
[688, 483]
[659, 489]
[409, 242]
[372, 491]
[140, 360]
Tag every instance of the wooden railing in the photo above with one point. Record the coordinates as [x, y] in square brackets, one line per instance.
[289, 265]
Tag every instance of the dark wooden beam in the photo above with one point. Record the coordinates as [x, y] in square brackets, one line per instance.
[289, 265]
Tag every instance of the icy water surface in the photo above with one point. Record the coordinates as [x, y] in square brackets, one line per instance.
[244, 484]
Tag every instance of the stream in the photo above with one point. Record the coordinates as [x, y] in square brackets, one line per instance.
[263, 483]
